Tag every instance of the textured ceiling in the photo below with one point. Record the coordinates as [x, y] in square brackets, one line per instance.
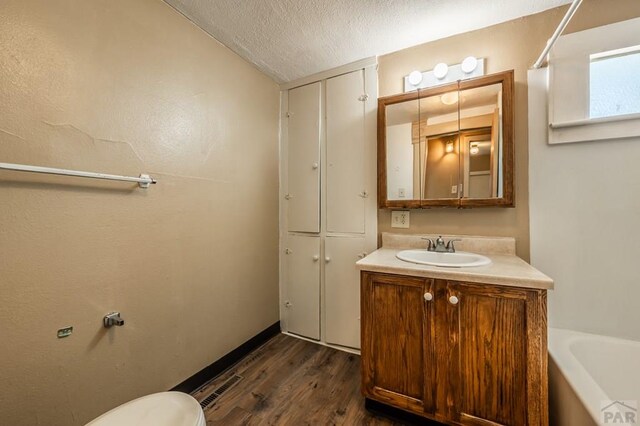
[290, 39]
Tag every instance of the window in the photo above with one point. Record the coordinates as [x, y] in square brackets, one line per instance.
[614, 83]
[594, 84]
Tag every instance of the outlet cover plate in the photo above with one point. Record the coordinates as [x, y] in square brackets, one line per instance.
[400, 219]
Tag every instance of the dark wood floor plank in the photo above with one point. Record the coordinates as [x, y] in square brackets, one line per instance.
[289, 381]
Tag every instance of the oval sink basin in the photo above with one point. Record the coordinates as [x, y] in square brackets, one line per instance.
[459, 259]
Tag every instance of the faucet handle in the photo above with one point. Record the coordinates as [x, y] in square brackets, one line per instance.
[430, 245]
[450, 247]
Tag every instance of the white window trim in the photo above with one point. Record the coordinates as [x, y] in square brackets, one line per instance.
[569, 65]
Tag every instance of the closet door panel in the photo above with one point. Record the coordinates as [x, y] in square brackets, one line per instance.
[303, 188]
[342, 290]
[346, 189]
[302, 300]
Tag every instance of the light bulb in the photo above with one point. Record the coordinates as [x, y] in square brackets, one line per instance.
[441, 70]
[449, 147]
[415, 78]
[469, 64]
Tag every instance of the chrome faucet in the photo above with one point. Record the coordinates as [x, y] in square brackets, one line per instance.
[439, 246]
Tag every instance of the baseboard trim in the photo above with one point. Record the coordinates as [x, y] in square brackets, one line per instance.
[217, 367]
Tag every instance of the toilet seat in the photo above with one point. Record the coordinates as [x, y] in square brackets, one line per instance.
[158, 409]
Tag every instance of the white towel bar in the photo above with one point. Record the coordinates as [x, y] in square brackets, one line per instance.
[143, 180]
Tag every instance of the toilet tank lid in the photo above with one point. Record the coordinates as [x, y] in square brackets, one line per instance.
[158, 409]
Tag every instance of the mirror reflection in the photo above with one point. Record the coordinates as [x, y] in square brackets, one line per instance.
[445, 146]
[481, 141]
[402, 182]
[439, 146]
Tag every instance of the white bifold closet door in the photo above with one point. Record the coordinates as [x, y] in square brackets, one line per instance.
[303, 165]
[346, 153]
[302, 305]
[342, 290]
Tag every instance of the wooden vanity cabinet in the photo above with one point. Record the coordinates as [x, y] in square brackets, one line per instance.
[396, 328]
[459, 353]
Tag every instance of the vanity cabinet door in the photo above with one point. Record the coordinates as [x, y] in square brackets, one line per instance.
[397, 322]
[497, 355]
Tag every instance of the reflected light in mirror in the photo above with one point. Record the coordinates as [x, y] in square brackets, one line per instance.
[449, 147]
[449, 98]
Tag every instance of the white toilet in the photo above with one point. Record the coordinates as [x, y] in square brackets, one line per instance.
[158, 409]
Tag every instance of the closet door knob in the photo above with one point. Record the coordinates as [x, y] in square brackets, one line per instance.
[316, 258]
[428, 297]
[327, 259]
[314, 166]
[454, 300]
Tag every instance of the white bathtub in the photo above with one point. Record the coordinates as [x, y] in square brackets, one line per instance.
[585, 371]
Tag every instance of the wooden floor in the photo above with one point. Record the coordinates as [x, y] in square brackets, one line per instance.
[289, 381]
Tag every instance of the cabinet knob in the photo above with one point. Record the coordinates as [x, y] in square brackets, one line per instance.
[287, 304]
[288, 251]
[316, 258]
[314, 166]
[327, 259]
[454, 300]
[288, 197]
[363, 194]
[428, 297]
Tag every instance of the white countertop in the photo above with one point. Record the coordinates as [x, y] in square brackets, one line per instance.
[505, 269]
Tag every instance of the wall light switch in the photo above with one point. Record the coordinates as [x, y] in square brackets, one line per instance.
[401, 192]
[454, 189]
[400, 219]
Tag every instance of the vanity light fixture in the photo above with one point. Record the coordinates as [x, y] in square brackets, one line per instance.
[474, 149]
[443, 73]
[469, 64]
[448, 148]
[449, 98]
[441, 70]
[415, 78]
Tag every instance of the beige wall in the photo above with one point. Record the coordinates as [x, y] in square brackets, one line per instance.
[123, 87]
[511, 45]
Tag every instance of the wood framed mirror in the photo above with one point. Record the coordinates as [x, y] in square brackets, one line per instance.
[448, 146]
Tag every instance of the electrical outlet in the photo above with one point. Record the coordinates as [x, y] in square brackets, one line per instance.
[400, 219]
[454, 189]
[401, 193]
